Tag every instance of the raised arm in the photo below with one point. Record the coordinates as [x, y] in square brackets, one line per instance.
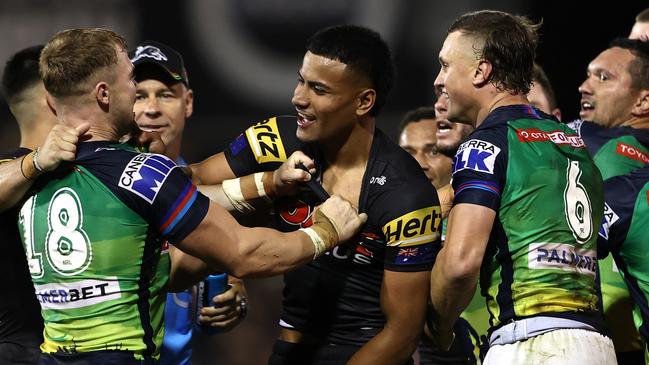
[213, 170]
[18, 175]
[258, 252]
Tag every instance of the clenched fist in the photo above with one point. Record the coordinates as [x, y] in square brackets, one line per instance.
[343, 216]
[60, 145]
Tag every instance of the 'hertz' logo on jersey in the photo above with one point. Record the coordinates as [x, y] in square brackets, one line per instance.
[145, 174]
[266, 142]
[476, 155]
[414, 228]
[608, 220]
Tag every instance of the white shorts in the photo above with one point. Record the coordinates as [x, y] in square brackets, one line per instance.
[558, 347]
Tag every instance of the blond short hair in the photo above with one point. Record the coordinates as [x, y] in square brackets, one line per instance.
[72, 56]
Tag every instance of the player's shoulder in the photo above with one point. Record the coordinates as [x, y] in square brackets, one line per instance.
[270, 140]
[395, 183]
[626, 185]
[394, 163]
[124, 168]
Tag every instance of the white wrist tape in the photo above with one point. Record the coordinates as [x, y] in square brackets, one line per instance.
[232, 190]
[318, 243]
[259, 183]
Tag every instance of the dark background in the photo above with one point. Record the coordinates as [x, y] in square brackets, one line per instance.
[243, 55]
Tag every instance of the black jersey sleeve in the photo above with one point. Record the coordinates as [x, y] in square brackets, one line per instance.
[408, 212]
[479, 168]
[263, 146]
[620, 194]
[154, 187]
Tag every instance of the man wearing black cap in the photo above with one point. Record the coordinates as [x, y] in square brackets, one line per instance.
[163, 102]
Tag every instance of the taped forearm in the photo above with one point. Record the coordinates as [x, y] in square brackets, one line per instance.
[245, 191]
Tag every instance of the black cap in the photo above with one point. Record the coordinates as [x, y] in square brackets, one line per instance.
[151, 52]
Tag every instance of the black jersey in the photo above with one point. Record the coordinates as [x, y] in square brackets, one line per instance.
[337, 296]
[20, 314]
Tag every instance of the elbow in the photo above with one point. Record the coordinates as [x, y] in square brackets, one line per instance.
[247, 262]
[240, 267]
[461, 268]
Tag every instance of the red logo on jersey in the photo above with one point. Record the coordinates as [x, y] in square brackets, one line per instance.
[631, 152]
[363, 250]
[298, 214]
[557, 137]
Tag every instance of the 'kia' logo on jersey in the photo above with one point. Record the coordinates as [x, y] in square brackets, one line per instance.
[145, 174]
[149, 52]
[476, 155]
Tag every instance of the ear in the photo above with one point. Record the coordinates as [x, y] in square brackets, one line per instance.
[482, 73]
[50, 102]
[641, 107]
[366, 100]
[102, 94]
[189, 103]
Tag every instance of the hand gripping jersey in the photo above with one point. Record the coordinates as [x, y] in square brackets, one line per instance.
[625, 234]
[616, 151]
[20, 314]
[536, 174]
[93, 234]
[337, 296]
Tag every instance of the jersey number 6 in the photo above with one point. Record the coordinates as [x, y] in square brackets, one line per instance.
[577, 204]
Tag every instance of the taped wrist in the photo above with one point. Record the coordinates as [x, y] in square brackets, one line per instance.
[28, 166]
[323, 233]
[242, 191]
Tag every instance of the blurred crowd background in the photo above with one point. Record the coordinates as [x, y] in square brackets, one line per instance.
[243, 56]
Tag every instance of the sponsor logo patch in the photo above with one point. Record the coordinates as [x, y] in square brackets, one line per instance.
[77, 294]
[562, 256]
[266, 142]
[476, 155]
[145, 174]
[556, 137]
[631, 152]
[414, 228]
[381, 180]
[607, 221]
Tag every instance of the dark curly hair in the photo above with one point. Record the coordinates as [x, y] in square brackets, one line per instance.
[363, 50]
